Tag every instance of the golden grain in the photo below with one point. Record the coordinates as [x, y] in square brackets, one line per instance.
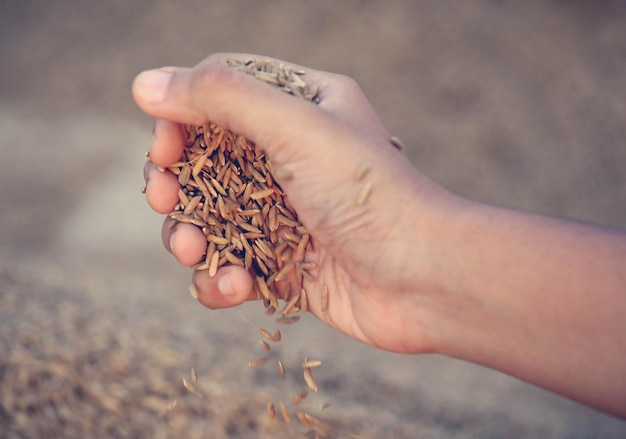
[214, 263]
[364, 194]
[314, 421]
[277, 335]
[193, 203]
[324, 298]
[291, 304]
[233, 259]
[288, 319]
[311, 364]
[303, 420]
[168, 408]
[296, 399]
[281, 369]
[191, 388]
[304, 301]
[265, 345]
[271, 410]
[185, 174]
[282, 219]
[308, 379]
[301, 248]
[362, 171]
[283, 411]
[397, 143]
[284, 272]
[263, 288]
[200, 163]
[268, 335]
[257, 362]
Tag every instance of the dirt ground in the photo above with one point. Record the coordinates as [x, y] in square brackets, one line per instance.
[519, 104]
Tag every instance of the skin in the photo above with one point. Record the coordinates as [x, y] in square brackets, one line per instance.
[415, 269]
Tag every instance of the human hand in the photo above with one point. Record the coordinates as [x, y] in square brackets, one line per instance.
[367, 254]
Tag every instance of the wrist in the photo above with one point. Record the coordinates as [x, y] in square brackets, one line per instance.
[434, 303]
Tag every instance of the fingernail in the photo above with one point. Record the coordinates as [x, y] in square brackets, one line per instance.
[152, 85]
[224, 286]
[170, 243]
[193, 291]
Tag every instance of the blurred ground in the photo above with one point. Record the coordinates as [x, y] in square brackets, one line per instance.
[520, 104]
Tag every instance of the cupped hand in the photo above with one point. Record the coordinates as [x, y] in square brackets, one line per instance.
[365, 247]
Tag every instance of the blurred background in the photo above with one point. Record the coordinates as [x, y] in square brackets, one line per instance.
[519, 104]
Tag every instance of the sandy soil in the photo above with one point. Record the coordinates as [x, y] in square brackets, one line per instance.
[519, 104]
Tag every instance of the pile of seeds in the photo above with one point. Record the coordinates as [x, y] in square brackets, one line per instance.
[229, 189]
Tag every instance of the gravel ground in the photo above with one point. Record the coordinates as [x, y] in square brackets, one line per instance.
[513, 103]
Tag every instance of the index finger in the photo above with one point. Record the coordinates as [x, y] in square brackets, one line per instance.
[168, 142]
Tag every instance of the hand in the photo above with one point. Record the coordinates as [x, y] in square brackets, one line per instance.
[414, 268]
[366, 254]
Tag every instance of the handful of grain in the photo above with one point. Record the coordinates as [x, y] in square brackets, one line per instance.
[229, 190]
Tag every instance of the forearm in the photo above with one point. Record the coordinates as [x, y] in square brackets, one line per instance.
[540, 299]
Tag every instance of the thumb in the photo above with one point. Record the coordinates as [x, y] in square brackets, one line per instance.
[321, 146]
[274, 120]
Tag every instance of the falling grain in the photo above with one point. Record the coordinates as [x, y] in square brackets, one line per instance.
[296, 399]
[191, 388]
[257, 362]
[304, 421]
[287, 320]
[281, 369]
[314, 421]
[268, 335]
[308, 379]
[311, 363]
[265, 345]
[277, 335]
[168, 408]
[397, 143]
[232, 192]
[271, 410]
[283, 411]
